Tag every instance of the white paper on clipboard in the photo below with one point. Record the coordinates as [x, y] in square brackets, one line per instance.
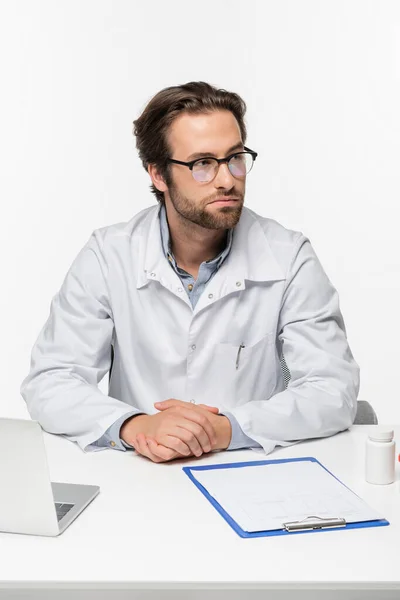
[263, 497]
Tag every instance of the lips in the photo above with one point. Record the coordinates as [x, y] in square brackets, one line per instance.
[225, 200]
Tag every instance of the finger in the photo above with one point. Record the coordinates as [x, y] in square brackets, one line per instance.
[200, 417]
[162, 451]
[194, 436]
[171, 402]
[205, 434]
[186, 431]
[165, 404]
[212, 409]
[135, 446]
[144, 449]
[175, 443]
[141, 446]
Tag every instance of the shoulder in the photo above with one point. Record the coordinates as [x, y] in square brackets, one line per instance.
[281, 239]
[137, 225]
[124, 232]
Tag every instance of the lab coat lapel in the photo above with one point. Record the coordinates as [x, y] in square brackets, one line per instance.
[250, 259]
[154, 265]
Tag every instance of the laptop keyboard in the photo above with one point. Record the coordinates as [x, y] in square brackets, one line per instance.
[62, 508]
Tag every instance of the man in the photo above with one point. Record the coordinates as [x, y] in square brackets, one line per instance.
[198, 300]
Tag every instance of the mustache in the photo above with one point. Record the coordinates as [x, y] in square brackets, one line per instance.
[231, 194]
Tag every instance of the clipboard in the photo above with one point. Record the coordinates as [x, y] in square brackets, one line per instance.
[311, 524]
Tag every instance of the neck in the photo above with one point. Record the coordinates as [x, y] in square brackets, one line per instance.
[192, 244]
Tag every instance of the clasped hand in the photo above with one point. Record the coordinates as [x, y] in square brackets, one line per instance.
[179, 430]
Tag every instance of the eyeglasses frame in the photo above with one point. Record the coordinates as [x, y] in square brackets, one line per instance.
[220, 161]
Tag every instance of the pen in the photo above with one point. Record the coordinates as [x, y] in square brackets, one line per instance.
[238, 355]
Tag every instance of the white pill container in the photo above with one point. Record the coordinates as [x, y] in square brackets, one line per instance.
[380, 457]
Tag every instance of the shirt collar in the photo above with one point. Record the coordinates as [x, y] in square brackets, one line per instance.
[251, 256]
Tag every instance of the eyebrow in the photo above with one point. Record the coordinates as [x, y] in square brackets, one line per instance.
[211, 154]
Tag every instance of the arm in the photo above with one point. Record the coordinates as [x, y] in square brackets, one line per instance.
[73, 353]
[112, 437]
[321, 398]
[239, 439]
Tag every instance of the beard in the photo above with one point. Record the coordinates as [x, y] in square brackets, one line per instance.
[225, 217]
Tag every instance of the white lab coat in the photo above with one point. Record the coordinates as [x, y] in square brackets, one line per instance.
[271, 292]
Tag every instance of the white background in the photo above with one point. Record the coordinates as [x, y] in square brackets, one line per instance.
[322, 83]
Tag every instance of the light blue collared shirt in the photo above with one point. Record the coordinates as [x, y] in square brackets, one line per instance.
[194, 288]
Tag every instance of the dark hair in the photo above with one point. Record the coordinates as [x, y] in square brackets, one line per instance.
[195, 97]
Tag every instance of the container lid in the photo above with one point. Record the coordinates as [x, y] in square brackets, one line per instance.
[382, 435]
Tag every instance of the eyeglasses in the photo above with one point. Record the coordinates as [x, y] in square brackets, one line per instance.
[205, 169]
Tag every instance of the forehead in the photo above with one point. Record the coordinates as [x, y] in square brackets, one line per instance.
[212, 132]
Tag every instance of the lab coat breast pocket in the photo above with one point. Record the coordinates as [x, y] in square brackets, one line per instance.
[244, 374]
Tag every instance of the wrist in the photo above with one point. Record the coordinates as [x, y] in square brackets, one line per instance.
[131, 427]
[224, 432]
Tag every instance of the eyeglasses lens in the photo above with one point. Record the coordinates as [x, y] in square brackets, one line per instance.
[205, 170]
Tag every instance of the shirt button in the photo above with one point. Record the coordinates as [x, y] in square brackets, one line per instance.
[112, 444]
[211, 296]
[194, 347]
[190, 287]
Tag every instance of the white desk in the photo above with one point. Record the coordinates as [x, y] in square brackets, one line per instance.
[151, 534]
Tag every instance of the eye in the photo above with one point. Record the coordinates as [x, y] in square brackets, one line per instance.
[238, 158]
[204, 162]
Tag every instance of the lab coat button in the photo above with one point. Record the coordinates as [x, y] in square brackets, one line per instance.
[238, 283]
[180, 290]
[194, 347]
[211, 296]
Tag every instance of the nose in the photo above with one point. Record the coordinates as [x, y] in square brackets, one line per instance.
[224, 178]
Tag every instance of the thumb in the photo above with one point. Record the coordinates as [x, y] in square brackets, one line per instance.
[212, 409]
[164, 404]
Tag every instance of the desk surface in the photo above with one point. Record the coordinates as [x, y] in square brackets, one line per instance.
[150, 527]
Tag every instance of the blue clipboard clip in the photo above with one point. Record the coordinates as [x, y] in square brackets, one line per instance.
[314, 523]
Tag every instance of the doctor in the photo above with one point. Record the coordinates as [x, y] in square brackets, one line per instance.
[193, 303]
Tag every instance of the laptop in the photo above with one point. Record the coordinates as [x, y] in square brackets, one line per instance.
[29, 502]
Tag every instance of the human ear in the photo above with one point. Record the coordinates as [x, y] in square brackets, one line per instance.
[157, 178]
